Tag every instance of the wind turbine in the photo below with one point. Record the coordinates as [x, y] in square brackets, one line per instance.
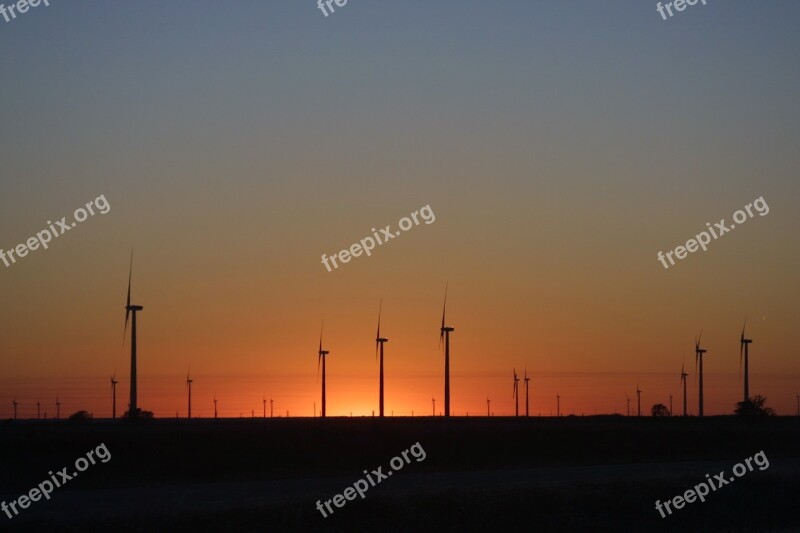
[379, 341]
[527, 379]
[321, 359]
[629, 403]
[515, 395]
[445, 335]
[114, 395]
[488, 407]
[132, 411]
[264, 399]
[698, 356]
[558, 405]
[638, 399]
[215, 405]
[670, 404]
[270, 408]
[58, 408]
[684, 373]
[38, 410]
[189, 387]
[434, 406]
[744, 345]
[15, 407]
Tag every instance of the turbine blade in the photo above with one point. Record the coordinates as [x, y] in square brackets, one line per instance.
[128, 301]
[444, 310]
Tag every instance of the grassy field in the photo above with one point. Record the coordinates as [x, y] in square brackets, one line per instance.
[564, 474]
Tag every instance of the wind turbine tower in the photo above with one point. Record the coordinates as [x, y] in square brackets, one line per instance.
[445, 335]
[379, 342]
[683, 380]
[638, 400]
[58, 408]
[189, 382]
[698, 357]
[132, 309]
[516, 392]
[114, 396]
[527, 404]
[744, 348]
[322, 356]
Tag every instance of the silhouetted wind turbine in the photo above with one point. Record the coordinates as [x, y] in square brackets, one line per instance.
[264, 399]
[58, 408]
[698, 357]
[638, 399]
[434, 406]
[516, 392]
[321, 359]
[215, 405]
[684, 373]
[270, 408]
[379, 341]
[488, 407]
[629, 403]
[670, 404]
[744, 347]
[15, 407]
[133, 411]
[38, 410]
[445, 335]
[114, 395]
[558, 405]
[527, 379]
[189, 382]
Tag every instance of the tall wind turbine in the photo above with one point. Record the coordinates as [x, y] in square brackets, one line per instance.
[58, 408]
[321, 359]
[445, 335]
[189, 382]
[684, 373]
[379, 341]
[527, 379]
[15, 407]
[744, 345]
[114, 395]
[638, 399]
[516, 392]
[629, 403]
[488, 407]
[558, 405]
[264, 399]
[698, 357]
[38, 410]
[270, 408]
[132, 410]
[215, 405]
[434, 406]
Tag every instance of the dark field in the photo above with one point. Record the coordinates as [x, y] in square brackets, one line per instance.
[567, 474]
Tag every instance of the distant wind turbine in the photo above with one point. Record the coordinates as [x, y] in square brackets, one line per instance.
[744, 348]
[670, 404]
[58, 408]
[133, 410]
[434, 406]
[379, 341]
[558, 405]
[445, 335]
[684, 373]
[114, 395]
[264, 399]
[516, 392]
[189, 382]
[638, 399]
[38, 410]
[270, 408]
[321, 359]
[215, 405]
[488, 407]
[15, 407]
[629, 403]
[527, 379]
[698, 357]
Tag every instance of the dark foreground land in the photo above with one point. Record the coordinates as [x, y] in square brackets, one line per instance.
[479, 474]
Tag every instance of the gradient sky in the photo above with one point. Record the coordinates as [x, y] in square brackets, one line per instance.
[560, 145]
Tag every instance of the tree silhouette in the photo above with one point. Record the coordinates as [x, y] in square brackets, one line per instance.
[754, 408]
[659, 409]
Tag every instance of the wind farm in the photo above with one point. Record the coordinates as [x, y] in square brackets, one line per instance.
[548, 179]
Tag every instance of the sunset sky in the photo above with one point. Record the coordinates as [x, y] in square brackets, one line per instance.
[561, 146]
